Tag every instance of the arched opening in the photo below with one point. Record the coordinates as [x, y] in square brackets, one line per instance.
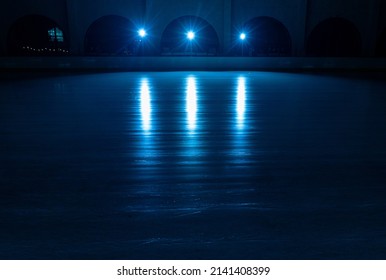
[36, 35]
[190, 35]
[381, 46]
[336, 37]
[263, 36]
[112, 35]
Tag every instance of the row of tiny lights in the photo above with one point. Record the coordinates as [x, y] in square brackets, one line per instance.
[45, 49]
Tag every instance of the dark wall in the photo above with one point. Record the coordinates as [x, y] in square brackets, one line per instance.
[299, 17]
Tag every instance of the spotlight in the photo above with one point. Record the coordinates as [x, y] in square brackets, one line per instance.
[190, 35]
[243, 36]
[142, 33]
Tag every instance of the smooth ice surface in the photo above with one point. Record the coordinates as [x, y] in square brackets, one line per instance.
[192, 165]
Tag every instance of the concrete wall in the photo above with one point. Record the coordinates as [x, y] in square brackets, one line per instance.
[382, 19]
[159, 17]
[63, 64]
[290, 13]
[363, 14]
[299, 16]
[12, 10]
[82, 13]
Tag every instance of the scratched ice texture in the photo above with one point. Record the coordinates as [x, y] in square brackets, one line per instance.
[192, 165]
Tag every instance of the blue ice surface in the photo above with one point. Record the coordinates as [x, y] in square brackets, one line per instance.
[193, 165]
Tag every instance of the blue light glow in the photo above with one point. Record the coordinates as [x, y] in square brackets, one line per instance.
[145, 105]
[142, 33]
[243, 36]
[190, 35]
[191, 103]
[241, 97]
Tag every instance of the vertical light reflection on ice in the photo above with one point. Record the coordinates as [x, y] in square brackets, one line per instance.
[146, 155]
[145, 105]
[241, 98]
[143, 151]
[191, 103]
[240, 151]
[191, 160]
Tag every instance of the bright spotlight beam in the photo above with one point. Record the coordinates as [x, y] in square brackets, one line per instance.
[142, 33]
[243, 36]
[190, 35]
